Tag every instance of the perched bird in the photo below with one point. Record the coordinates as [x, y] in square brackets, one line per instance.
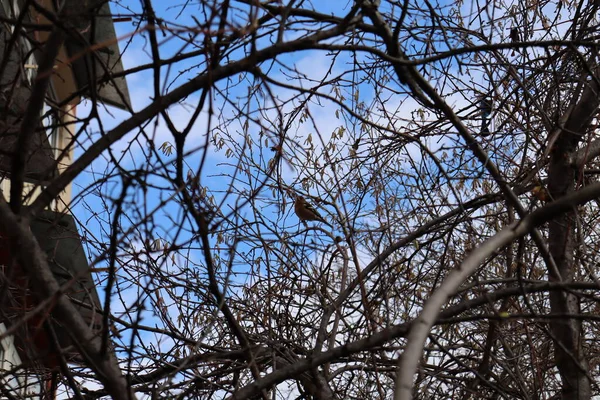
[485, 107]
[514, 37]
[541, 193]
[307, 212]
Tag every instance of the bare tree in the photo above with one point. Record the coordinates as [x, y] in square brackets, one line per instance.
[304, 200]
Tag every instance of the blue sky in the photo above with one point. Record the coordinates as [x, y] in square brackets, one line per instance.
[90, 208]
[132, 156]
[316, 63]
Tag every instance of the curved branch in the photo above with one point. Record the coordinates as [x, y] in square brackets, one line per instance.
[397, 331]
[409, 361]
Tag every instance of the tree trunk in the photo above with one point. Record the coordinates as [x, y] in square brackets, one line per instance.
[567, 332]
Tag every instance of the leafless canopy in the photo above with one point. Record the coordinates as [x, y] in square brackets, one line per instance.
[452, 146]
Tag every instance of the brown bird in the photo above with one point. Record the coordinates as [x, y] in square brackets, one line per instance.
[307, 212]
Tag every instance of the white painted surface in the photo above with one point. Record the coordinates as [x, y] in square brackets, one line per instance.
[20, 383]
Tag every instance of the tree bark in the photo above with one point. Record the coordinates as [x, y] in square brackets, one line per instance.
[567, 332]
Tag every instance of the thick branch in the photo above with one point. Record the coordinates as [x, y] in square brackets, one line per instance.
[33, 261]
[416, 340]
